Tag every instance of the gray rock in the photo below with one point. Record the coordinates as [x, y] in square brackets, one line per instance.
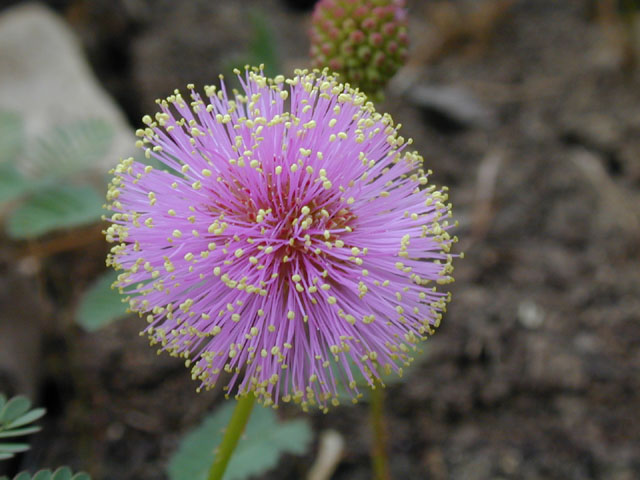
[45, 77]
[454, 103]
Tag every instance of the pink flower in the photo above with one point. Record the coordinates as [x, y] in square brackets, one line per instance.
[284, 245]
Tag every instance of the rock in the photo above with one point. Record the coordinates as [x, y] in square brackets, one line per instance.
[454, 106]
[530, 315]
[45, 77]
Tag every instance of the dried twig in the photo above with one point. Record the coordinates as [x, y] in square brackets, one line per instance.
[485, 194]
[330, 453]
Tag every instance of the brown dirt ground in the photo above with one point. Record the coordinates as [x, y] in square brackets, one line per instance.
[534, 373]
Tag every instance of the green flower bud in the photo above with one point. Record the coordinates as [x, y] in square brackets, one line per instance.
[365, 41]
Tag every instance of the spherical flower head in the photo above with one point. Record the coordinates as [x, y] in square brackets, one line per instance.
[365, 41]
[291, 241]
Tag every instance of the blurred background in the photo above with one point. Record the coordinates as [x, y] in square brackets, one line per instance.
[529, 110]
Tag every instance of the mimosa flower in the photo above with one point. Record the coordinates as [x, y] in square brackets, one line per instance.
[291, 240]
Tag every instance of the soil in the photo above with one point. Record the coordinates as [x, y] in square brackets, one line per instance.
[535, 371]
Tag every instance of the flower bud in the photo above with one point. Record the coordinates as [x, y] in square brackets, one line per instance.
[365, 41]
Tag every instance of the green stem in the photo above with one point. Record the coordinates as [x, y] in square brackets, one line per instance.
[379, 448]
[232, 434]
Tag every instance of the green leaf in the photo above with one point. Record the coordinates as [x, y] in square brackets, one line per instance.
[42, 475]
[13, 447]
[12, 183]
[55, 208]
[268, 440]
[81, 476]
[264, 440]
[263, 48]
[22, 476]
[101, 304]
[71, 148]
[155, 162]
[19, 432]
[11, 136]
[345, 394]
[13, 409]
[15, 413]
[62, 473]
[28, 417]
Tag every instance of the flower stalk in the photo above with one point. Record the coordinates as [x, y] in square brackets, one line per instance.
[234, 430]
[379, 456]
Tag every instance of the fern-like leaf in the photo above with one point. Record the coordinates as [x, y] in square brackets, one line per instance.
[62, 473]
[16, 417]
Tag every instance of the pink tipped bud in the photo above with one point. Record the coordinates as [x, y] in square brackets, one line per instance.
[366, 39]
[376, 39]
[356, 36]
